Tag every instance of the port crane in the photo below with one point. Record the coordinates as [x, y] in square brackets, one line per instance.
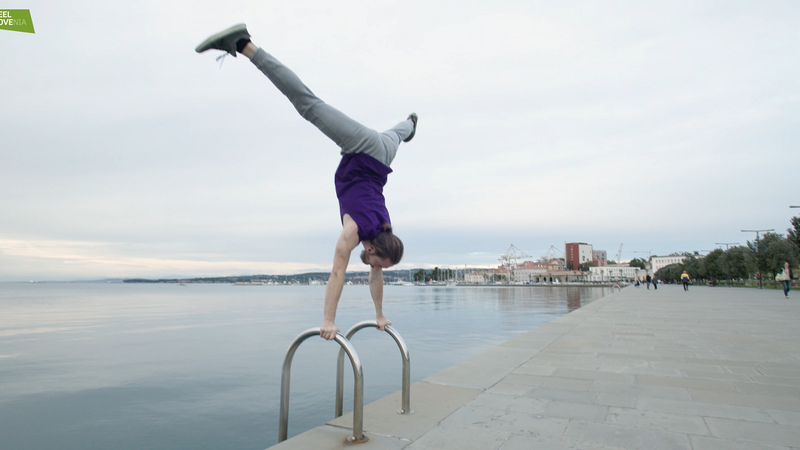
[550, 254]
[509, 260]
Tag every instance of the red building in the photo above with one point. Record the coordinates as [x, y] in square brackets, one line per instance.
[577, 253]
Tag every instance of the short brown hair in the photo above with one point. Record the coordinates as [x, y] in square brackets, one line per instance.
[386, 245]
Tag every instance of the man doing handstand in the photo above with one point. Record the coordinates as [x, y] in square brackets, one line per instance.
[360, 177]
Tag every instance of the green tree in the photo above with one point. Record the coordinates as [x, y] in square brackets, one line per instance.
[778, 253]
[709, 265]
[636, 262]
[793, 233]
[735, 262]
[740, 261]
[420, 275]
[692, 266]
[669, 273]
[759, 250]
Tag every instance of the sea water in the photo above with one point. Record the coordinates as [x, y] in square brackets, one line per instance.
[162, 366]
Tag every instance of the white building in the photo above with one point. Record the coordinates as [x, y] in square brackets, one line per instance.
[585, 252]
[614, 273]
[659, 262]
[475, 277]
[526, 275]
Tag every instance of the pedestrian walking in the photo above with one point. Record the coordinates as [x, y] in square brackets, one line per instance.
[785, 276]
[685, 280]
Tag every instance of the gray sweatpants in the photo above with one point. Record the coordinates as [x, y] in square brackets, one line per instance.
[349, 135]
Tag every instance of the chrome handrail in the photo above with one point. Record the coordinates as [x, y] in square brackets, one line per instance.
[406, 397]
[358, 385]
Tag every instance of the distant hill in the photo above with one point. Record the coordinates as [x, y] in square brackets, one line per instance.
[104, 280]
[302, 278]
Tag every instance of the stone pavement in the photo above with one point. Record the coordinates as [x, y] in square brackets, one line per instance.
[708, 369]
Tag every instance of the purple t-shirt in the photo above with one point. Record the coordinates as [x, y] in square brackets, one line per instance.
[359, 187]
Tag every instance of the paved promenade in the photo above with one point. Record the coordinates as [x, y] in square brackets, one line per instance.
[708, 369]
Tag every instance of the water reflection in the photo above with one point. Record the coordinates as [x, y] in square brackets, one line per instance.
[573, 299]
[199, 367]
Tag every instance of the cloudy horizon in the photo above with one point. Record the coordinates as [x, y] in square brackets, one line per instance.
[664, 127]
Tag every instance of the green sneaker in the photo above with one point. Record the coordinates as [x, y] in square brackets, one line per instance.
[225, 40]
[414, 118]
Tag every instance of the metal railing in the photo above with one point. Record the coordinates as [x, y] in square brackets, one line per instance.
[358, 385]
[406, 381]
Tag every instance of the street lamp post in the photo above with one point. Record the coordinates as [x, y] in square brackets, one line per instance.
[757, 232]
[726, 244]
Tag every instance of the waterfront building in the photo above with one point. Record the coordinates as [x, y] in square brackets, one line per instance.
[599, 258]
[659, 262]
[528, 270]
[551, 265]
[620, 272]
[577, 253]
[475, 277]
[559, 277]
[561, 265]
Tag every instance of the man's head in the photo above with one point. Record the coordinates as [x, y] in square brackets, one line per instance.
[384, 251]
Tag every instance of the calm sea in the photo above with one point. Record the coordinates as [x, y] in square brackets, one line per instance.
[137, 366]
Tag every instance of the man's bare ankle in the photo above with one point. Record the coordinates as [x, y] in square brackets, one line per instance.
[250, 49]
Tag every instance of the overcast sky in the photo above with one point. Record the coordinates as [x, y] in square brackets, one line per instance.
[662, 126]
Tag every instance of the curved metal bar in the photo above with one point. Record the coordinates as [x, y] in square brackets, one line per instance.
[358, 384]
[406, 384]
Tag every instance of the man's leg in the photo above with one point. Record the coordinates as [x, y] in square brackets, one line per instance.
[390, 140]
[344, 131]
[349, 135]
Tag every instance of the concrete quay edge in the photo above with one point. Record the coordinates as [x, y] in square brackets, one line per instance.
[711, 368]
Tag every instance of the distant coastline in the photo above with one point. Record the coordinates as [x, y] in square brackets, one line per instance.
[302, 278]
[318, 278]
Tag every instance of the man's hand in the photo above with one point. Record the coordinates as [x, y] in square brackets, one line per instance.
[382, 322]
[328, 329]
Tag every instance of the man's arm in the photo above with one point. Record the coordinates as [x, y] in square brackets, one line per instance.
[376, 290]
[347, 241]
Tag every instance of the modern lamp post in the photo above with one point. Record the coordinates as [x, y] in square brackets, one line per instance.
[758, 235]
